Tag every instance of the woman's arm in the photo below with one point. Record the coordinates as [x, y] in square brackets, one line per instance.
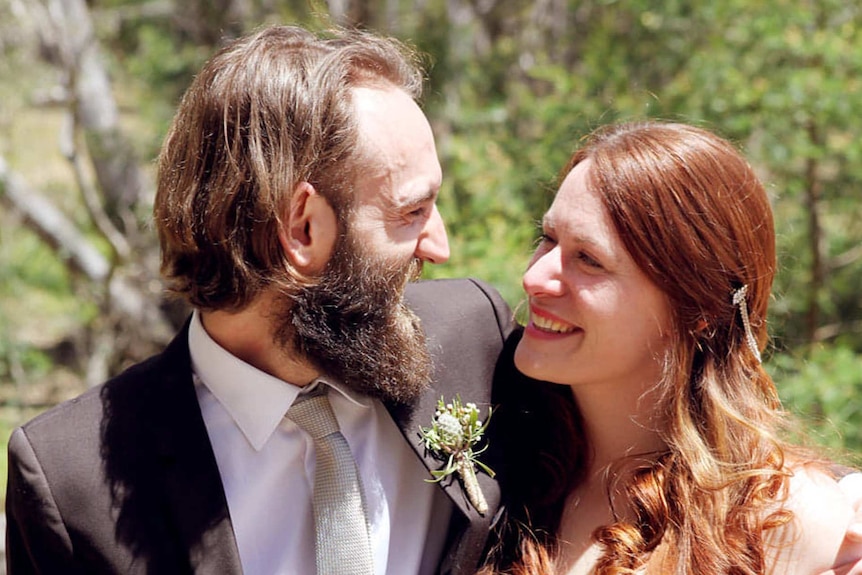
[850, 554]
[820, 536]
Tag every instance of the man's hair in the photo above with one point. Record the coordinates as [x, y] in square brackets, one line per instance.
[267, 112]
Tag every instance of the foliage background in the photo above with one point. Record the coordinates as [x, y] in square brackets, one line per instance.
[513, 85]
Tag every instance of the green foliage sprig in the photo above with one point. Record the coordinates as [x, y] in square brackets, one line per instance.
[455, 429]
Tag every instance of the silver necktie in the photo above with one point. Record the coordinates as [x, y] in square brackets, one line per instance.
[342, 541]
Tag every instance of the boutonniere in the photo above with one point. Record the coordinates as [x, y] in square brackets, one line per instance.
[454, 431]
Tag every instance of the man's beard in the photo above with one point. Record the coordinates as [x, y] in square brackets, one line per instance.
[353, 325]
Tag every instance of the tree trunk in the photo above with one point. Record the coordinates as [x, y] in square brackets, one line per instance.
[352, 13]
[68, 41]
[815, 236]
[135, 306]
[134, 319]
[210, 22]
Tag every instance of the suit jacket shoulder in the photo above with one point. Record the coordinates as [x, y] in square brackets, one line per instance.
[466, 323]
[120, 480]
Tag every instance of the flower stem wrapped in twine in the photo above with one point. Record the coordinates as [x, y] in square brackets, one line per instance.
[454, 431]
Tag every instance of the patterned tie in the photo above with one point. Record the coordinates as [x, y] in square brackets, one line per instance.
[342, 541]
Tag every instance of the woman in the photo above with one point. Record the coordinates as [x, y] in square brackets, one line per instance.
[648, 296]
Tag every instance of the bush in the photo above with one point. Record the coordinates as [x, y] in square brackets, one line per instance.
[823, 389]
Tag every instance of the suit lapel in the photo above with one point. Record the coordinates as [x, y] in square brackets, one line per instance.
[410, 419]
[468, 530]
[464, 361]
[188, 470]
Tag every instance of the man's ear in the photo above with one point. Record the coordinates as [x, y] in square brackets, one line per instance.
[308, 230]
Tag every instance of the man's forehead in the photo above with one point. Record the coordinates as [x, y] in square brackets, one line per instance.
[380, 102]
[397, 152]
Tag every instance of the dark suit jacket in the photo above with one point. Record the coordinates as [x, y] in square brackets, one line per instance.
[123, 479]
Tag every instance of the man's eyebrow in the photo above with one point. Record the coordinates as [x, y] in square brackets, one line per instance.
[430, 195]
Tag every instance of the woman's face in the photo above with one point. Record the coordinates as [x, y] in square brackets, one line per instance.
[595, 317]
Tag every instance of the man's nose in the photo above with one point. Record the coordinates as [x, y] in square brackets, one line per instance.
[433, 244]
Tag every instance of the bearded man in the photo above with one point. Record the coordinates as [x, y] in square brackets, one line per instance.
[296, 199]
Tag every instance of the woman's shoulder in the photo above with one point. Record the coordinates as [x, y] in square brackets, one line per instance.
[813, 541]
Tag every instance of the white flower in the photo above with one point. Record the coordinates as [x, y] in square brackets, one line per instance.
[455, 429]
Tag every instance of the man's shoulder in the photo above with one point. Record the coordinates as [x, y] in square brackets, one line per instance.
[440, 289]
[82, 415]
[69, 413]
[457, 297]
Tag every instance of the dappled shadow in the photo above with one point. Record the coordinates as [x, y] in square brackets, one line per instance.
[170, 507]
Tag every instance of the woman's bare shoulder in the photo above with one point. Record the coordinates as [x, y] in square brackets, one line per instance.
[813, 541]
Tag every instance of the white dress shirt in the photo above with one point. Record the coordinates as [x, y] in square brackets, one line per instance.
[267, 469]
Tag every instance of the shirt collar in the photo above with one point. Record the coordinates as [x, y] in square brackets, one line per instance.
[255, 400]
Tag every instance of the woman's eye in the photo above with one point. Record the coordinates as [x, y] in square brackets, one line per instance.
[544, 239]
[589, 260]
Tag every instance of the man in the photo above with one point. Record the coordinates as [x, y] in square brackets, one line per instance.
[296, 197]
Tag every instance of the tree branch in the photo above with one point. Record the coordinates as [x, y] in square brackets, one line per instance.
[90, 195]
[846, 258]
[78, 253]
[50, 224]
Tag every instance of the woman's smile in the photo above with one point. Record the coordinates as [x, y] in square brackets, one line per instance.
[546, 324]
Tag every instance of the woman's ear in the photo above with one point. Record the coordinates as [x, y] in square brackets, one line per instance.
[308, 231]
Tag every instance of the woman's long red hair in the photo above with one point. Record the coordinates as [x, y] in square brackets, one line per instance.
[696, 219]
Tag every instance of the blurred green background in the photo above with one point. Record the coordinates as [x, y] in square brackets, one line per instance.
[87, 90]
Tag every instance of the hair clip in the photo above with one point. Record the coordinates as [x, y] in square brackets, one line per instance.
[739, 300]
